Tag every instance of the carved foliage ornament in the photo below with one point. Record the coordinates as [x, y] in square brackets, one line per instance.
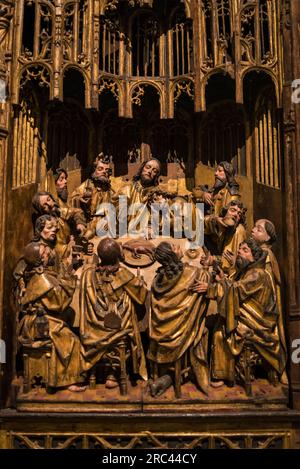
[150, 440]
[113, 4]
[37, 73]
[110, 85]
[183, 86]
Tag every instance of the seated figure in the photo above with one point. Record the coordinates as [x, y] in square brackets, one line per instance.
[248, 313]
[48, 295]
[93, 192]
[177, 319]
[109, 293]
[71, 221]
[224, 190]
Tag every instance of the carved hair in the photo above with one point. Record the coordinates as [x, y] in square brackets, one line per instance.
[58, 172]
[40, 225]
[110, 253]
[257, 251]
[230, 175]
[271, 231]
[165, 255]
[36, 200]
[32, 255]
[137, 177]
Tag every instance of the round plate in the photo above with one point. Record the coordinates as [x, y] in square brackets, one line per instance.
[143, 260]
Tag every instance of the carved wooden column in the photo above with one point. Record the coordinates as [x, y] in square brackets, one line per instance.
[56, 91]
[291, 142]
[6, 13]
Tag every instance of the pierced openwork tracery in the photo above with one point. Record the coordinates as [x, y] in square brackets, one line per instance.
[182, 44]
[74, 30]
[267, 140]
[223, 137]
[257, 26]
[145, 45]
[109, 45]
[125, 46]
[37, 29]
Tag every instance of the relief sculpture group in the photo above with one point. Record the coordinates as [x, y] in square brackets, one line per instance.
[99, 308]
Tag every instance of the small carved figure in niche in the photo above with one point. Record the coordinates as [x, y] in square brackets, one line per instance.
[109, 293]
[93, 192]
[248, 316]
[45, 318]
[177, 324]
[70, 220]
[224, 190]
[264, 233]
[224, 233]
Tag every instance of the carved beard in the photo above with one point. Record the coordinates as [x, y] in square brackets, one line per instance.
[51, 260]
[242, 263]
[219, 184]
[102, 182]
[63, 193]
[55, 211]
[146, 182]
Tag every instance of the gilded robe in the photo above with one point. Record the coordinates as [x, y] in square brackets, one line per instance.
[53, 294]
[177, 322]
[98, 196]
[69, 218]
[222, 239]
[221, 199]
[247, 308]
[272, 268]
[101, 294]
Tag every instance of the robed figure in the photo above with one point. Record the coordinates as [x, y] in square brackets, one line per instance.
[48, 296]
[109, 295]
[177, 322]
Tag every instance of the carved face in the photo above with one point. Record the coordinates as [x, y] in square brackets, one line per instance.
[49, 231]
[220, 174]
[62, 181]
[47, 203]
[235, 213]
[259, 232]
[150, 171]
[102, 170]
[244, 256]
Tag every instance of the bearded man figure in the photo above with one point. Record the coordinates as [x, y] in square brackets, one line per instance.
[224, 190]
[48, 295]
[70, 220]
[248, 311]
[109, 293]
[139, 193]
[61, 185]
[224, 233]
[93, 193]
[177, 318]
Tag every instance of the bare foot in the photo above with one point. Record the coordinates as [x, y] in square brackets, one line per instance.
[217, 384]
[76, 388]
